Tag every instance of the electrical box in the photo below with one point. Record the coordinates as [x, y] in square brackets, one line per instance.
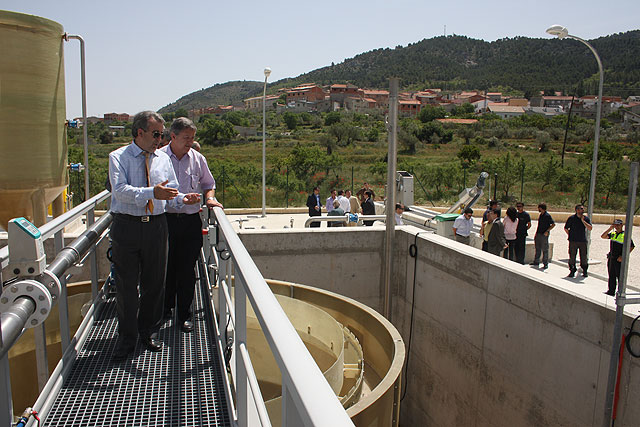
[404, 188]
[26, 251]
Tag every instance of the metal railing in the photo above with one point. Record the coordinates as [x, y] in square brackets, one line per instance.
[307, 398]
[342, 219]
[14, 321]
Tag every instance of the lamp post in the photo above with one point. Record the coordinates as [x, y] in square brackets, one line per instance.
[267, 71]
[561, 32]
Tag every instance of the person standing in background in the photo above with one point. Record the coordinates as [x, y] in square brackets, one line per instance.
[524, 224]
[510, 232]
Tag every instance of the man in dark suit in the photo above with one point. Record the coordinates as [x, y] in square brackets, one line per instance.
[368, 208]
[496, 241]
[314, 205]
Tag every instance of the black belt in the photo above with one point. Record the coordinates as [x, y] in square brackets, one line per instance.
[180, 215]
[461, 235]
[144, 218]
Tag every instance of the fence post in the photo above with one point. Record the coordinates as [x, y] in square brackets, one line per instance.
[522, 182]
[222, 185]
[351, 179]
[286, 194]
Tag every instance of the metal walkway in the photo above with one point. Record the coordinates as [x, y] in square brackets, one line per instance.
[180, 386]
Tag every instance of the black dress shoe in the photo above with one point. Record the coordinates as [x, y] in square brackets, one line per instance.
[611, 294]
[122, 353]
[187, 326]
[152, 344]
[585, 274]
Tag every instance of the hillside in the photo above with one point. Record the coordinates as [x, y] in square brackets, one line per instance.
[456, 62]
[230, 93]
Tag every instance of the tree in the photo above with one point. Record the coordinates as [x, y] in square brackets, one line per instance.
[344, 133]
[466, 132]
[542, 139]
[431, 112]
[291, 120]
[236, 118]
[469, 155]
[106, 137]
[181, 112]
[214, 131]
[331, 118]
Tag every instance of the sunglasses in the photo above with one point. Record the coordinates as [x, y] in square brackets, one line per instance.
[156, 134]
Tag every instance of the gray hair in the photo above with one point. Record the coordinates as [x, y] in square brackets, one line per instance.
[180, 124]
[141, 121]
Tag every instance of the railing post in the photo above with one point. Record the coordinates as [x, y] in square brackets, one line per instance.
[42, 362]
[6, 401]
[290, 415]
[91, 218]
[63, 313]
[242, 386]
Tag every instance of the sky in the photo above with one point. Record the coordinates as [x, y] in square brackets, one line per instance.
[143, 55]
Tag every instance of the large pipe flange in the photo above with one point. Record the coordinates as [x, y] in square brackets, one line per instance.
[30, 289]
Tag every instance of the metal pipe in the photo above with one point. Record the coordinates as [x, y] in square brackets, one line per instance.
[76, 249]
[84, 111]
[267, 71]
[326, 218]
[620, 299]
[13, 321]
[391, 194]
[596, 138]
[254, 387]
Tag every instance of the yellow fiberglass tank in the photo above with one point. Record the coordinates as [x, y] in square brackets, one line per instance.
[33, 159]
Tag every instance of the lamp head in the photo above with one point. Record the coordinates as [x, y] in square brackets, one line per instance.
[558, 31]
[267, 72]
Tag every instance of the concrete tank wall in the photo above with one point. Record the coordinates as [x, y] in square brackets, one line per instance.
[493, 343]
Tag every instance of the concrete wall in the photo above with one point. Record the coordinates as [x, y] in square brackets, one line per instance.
[493, 343]
[346, 262]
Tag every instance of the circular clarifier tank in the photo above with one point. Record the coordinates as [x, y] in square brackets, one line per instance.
[360, 353]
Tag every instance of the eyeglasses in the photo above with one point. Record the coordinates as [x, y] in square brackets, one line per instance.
[156, 134]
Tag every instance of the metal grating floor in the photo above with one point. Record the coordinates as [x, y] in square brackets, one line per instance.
[180, 386]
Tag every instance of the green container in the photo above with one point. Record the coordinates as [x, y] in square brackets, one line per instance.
[446, 217]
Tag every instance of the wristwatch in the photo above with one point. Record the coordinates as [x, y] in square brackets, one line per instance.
[212, 198]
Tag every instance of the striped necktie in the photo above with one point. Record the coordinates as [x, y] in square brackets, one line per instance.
[149, 206]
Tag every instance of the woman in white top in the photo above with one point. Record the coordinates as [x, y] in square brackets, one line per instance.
[510, 227]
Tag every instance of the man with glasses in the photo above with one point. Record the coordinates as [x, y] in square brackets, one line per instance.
[576, 228]
[185, 225]
[524, 224]
[143, 183]
[462, 226]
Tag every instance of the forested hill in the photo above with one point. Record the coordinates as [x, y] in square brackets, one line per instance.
[230, 93]
[457, 62]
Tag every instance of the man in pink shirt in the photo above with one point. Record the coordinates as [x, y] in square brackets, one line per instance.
[185, 225]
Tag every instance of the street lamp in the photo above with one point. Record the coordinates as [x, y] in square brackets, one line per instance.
[561, 32]
[267, 71]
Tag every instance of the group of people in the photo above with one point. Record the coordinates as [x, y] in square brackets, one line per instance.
[341, 202]
[157, 231]
[508, 237]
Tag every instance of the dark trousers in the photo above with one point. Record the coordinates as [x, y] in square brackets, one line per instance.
[574, 247]
[614, 274]
[315, 224]
[510, 252]
[542, 245]
[139, 253]
[520, 247]
[185, 241]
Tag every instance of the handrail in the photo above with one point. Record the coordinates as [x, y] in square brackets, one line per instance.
[315, 402]
[339, 218]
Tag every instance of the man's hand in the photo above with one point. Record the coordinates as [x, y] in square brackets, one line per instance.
[317, 208]
[546, 233]
[191, 198]
[620, 258]
[212, 203]
[161, 192]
